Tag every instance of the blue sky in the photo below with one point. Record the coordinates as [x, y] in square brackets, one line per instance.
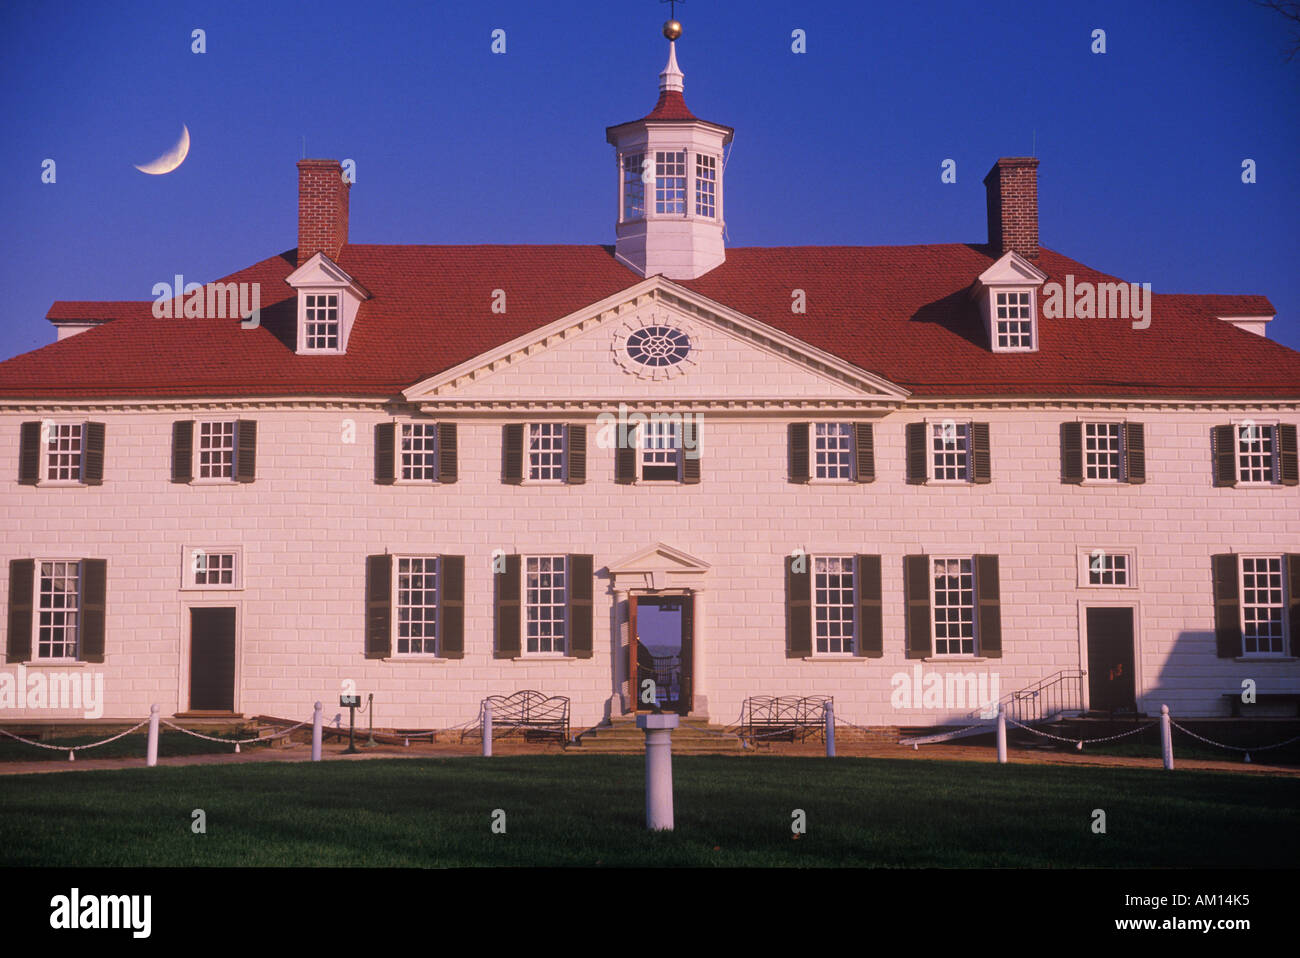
[1140, 148]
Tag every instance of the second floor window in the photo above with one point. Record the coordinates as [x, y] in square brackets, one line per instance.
[216, 450]
[1103, 451]
[546, 452]
[419, 451]
[63, 453]
[950, 451]
[833, 450]
[659, 450]
[1255, 448]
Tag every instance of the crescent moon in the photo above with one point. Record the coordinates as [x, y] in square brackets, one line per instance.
[172, 158]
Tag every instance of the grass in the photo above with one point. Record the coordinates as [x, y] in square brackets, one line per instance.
[588, 811]
[170, 743]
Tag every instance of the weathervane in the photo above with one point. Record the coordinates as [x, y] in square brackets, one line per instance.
[672, 28]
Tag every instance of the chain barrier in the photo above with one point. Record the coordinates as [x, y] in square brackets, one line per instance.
[236, 742]
[72, 750]
[1080, 742]
[1235, 748]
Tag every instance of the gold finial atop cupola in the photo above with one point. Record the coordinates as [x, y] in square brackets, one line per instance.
[672, 27]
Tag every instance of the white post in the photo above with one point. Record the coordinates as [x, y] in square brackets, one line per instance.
[830, 729]
[1002, 734]
[658, 770]
[1166, 739]
[487, 729]
[316, 719]
[151, 750]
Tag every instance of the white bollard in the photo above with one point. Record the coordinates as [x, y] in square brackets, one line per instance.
[1166, 739]
[658, 770]
[487, 729]
[830, 729]
[151, 750]
[1002, 734]
[316, 719]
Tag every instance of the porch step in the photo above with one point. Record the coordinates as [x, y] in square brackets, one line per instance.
[622, 735]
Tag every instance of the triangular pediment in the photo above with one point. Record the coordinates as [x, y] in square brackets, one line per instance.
[1011, 269]
[656, 342]
[657, 567]
[321, 272]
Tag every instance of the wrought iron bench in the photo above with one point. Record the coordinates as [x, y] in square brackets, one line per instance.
[1261, 698]
[529, 712]
[768, 717]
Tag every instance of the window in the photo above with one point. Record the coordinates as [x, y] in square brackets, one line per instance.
[1262, 605]
[216, 450]
[833, 450]
[545, 602]
[546, 452]
[706, 184]
[1109, 568]
[417, 605]
[833, 605]
[658, 346]
[660, 445]
[670, 182]
[633, 186]
[954, 606]
[950, 451]
[321, 324]
[1255, 448]
[1102, 451]
[419, 451]
[212, 570]
[63, 452]
[58, 607]
[1013, 320]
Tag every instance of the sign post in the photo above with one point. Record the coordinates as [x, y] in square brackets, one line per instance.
[350, 702]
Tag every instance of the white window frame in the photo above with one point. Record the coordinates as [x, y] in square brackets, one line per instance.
[36, 656]
[640, 433]
[190, 558]
[564, 455]
[303, 321]
[49, 429]
[1033, 318]
[661, 186]
[704, 187]
[1086, 560]
[1121, 476]
[395, 592]
[1274, 462]
[625, 216]
[398, 468]
[1287, 638]
[974, 653]
[197, 453]
[931, 467]
[524, 605]
[854, 605]
[852, 454]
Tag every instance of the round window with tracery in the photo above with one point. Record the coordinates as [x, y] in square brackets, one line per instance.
[658, 346]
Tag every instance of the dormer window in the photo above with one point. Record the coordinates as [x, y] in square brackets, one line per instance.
[1013, 319]
[328, 301]
[1006, 293]
[321, 321]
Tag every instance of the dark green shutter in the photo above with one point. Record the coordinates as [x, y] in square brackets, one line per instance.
[448, 457]
[798, 607]
[581, 588]
[22, 585]
[1227, 605]
[246, 453]
[690, 451]
[1135, 453]
[183, 450]
[1223, 447]
[916, 595]
[92, 465]
[29, 453]
[1288, 468]
[94, 585]
[864, 450]
[575, 454]
[512, 451]
[508, 611]
[797, 443]
[988, 607]
[625, 461]
[981, 471]
[916, 471]
[451, 607]
[385, 453]
[1072, 452]
[379, 606]
[871, 626]
[1293, 600]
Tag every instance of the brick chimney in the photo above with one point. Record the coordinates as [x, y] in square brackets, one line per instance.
[322, 209]
[1012, 189]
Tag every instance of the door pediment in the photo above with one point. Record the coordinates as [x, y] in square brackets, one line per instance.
[659, 567]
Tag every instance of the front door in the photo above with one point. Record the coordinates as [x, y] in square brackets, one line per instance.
[1111, 683]
[662, 639]
[212, 660]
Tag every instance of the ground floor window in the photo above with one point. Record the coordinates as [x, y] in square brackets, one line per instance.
[545, 601]
[954, 607]
[59, 605]
[417, 605]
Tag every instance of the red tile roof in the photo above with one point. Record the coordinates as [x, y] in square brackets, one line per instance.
[671, 106]
[902, 312]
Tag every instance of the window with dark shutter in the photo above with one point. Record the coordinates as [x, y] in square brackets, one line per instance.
[575, 453]
[183, 450]
[507, 596]
[1072, 452]
[1135, 453]
[1227, 605]
[916, 596]
[871, 625]
[512, 452]
[690, 450]
[1223, 447]
[451, 607]
[29, 453]
[246, 450]
[916, 452]
[625, 461]
[22, 586]
[94, 586]
[1288, 466]
[379, 606]
[981, 471]
[1293, 601]
[798, 606]
[988, 606]
[864, 451]
[581, 588]
[448, 460]
[797, 447]
[92, 466]
[385, 453]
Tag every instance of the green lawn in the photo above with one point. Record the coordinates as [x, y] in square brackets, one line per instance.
[585, 811]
